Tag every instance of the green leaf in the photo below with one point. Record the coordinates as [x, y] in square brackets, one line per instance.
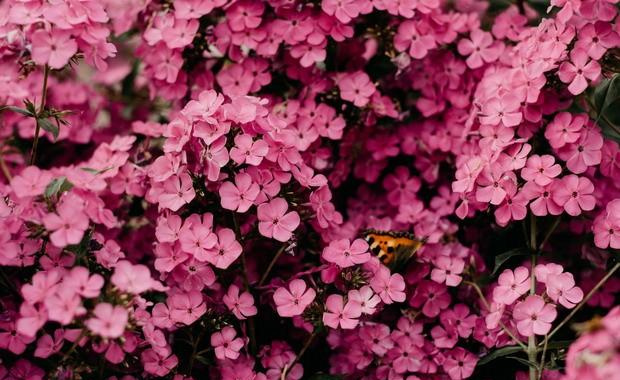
[500, 352]
[57, 186]
[524, 362]
[559, 344]
[47, 125]
[502, 258]
[32, 109]
[22, 111]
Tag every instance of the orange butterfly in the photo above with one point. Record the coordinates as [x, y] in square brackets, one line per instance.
[393, 248]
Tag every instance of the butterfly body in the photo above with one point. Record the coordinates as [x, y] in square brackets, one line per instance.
[393, 248]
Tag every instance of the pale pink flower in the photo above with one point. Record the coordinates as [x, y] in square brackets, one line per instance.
[534, 316]
[294, 300]
[339, 314]
[108, 321]
[241, 305]
[511, 285]
[275, 222]
[54, 48]
[241, 195]
[226, 344]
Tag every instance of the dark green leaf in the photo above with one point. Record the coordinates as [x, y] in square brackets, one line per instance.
[500, 352]
[16, 109]
[50, 127]
[502, 258]
[524, 361]
[30, 107]
[57, 186]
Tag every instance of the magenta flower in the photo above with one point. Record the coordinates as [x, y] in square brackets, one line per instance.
[390, 287]
[565, 128]
[30, 182]
[561, 289]
[225, 251]
[241, 305]
[226, 344]
[365, 297]
[479, 48]
[356, 87]
[511, 285]
[186, 308]
[274, 222]
[177, 191]
[134, 279]
[541, 169]
[294, 300]
[460, 363]
[343, 10]
[68, 224]
[339, 314]
[248, 151]
[606, 226]
[432, 297]
[109, 321]
[505, 110]
[534, 316]
[578, 70]
[575, 194]
[54, 48]
[584, 153]
[448, 270]
[346, 254]
[412, 39]
[241, 195]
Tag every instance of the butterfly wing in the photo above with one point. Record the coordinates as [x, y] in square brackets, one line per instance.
[393, 249]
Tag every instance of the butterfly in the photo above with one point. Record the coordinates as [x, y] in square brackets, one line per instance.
[393, 248]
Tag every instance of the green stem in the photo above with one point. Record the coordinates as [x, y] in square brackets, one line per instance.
[271, 264]
[555, 224]
[585, 299]
[74, 345]
[35, 143]
[300, 354]
[542, 360]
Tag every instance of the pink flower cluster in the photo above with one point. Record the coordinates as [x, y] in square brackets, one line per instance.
[185, 188]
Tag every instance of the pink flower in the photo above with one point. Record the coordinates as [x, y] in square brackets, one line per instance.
[346, 254]
[134, 279]
[177, 191]
[241, 305]
[460, 363]
[85, 285]
[356, 87]
[505, 109]
[339, 314]
[448, 270]
[275, 222]
[534, 316]
[543, 202]
[565, 128]
[68, 224]
[187, 307]
[578, 70]
[294, 300]
[585, 152]
[344, 10]
[606, 226]
[511, 285]
[365, 297]
[196, 236]
[561, 288]
[416, 42]
[248, 151]
[30, 182]
[575, 194]
[244, 14]
[433, 298]
[479, 48]
[225, 251]
[53, 48]
[390, 287]
[225, 343]
[541, 169]
[108, 321]
[240, 196]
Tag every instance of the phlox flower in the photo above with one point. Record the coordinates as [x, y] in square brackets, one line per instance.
[225, 251]
[275, 222]
[186, 308]
[54, 48]
[134, 279]
[248, 151]
[479, 48]
[343, 10]
[432, 297]
[67, 224]
[365, 297]
[356, 87]
[108, 321]
[226, 344]
[606, 226]
[504, 109]
[541, 169]
[30, 182]
[177, 191]
[241, 195]
[413, 40]
[83, 283]
[346, 254]
[447, 270]
[565, 128]
[241, 305]
[339, 314]
[575, 194]
[294, 300]
[561, 289]
[534, 316]
[578, 70]
[460, 363]
[511, 285]
[390, 287]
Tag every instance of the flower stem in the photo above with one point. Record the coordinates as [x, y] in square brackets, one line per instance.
[531, 341]
[300, 354]
[585, 299]
[271, 264]
[35, 143]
